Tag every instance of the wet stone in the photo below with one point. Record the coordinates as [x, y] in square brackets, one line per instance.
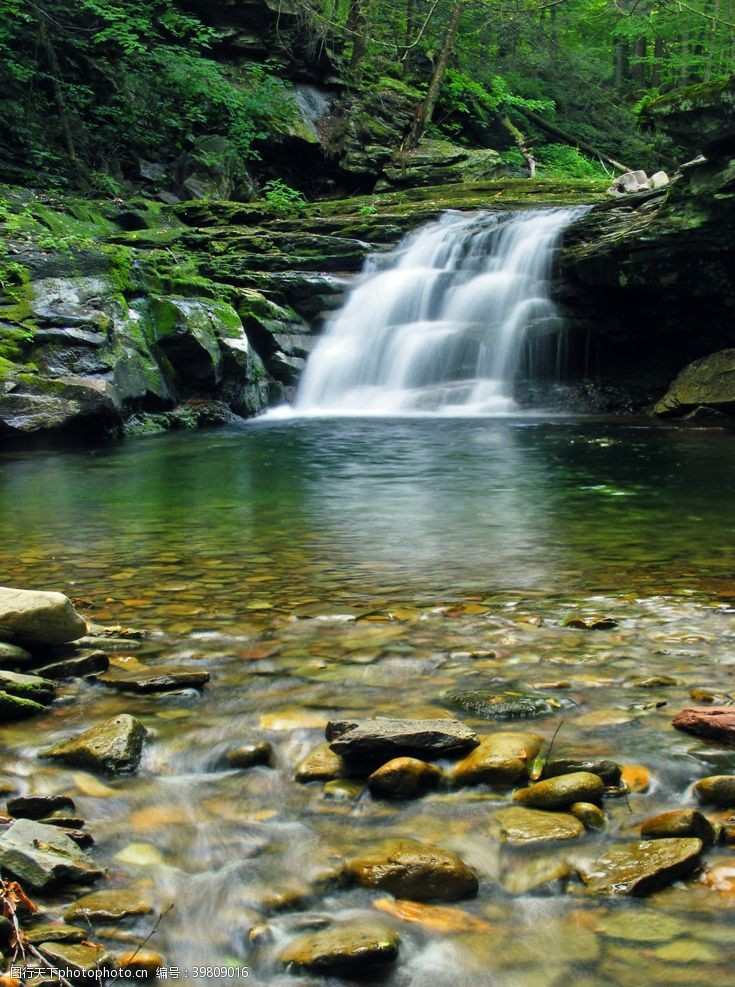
[33, 617]
[534, 875]
[78, 666]
[639, 868]
[24, 686]
[609, 771]
[155, 680]
[108, 906]
[15, 708]
[13, 654]
[642, 926]
[114, 746]
[80, 958]
[506, 705]
[342, 949]
[403, 778]
[711, 722]
[560, 792]
[679, 822]
[47, 932]
[385, 738]
[142, 963]
[321, 764]
[409, 869]
[716, 790]
[38, 806]
[500, 759]
[41, 856]
[249, 755]
[591, 816]
[517, 825]
[343, 789]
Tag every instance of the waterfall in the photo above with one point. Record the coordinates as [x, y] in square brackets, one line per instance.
[440, 326]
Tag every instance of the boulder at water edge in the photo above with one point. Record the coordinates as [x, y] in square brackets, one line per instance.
[41, 856]
[409, 869]
[32, 617]
[639, 868]
[113, 746]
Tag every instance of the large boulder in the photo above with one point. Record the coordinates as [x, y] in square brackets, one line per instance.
[35, 617]
[41, 856]
[699, 117]
[706, 383]
[112, 747]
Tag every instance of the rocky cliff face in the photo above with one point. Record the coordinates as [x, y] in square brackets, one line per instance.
[647, 283]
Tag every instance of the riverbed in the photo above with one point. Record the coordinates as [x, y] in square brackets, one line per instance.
[368, 567]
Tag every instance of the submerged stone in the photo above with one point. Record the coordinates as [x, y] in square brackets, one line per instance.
[108, 906]
[562, 791]
[154, 680]
[409, 869]
[403, 778]
[506, 705]
[77, 960]
[500, 759]
[343, 948]
[41, 857]
[387, 738]
[519, 825]
[639, 868]
[679, 822]
[249, 755]
[321, 764]
[77, 666]
[33, 617]
[114, 746]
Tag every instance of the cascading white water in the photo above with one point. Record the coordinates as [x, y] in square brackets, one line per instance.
[438, 326]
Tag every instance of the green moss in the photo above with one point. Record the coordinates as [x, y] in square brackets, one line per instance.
[397, 86]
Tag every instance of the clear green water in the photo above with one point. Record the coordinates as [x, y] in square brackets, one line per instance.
[324, 567]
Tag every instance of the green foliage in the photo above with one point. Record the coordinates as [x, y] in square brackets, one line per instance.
[281, 199]
[368, 209]
[563, 161]
[135, 80]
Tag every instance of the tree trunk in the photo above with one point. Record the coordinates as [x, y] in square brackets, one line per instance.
[713, 41]
[48, 48]
[425, 110]
[640, 69]
[522, 143]
[659, 53]
[621, 63]
[411, 23]
[358, 25]
[569, 139]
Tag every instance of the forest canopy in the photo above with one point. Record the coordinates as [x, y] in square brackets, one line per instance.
[90, 87]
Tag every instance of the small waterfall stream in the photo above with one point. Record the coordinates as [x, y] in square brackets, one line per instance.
[440, 325]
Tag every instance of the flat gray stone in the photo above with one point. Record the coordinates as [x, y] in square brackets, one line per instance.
[33, 617]
[13, 654]
[155, 680]
[113, 746]
[642, 867]
[42, 856]
[77, 666]
[397, 738]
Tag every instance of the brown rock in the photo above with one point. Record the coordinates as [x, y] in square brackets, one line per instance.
[321, 764]
[343, 948]
[639, 868]
[403, 778]
[715, 722]
[501, 759]
[562, 791]
[679, 822]
[716, 790]
[408, 869]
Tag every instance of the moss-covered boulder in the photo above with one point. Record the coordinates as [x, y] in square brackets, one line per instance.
[705, 383]
[438, 162]
[698, 117]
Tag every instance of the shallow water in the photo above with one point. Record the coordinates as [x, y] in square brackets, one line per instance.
[327, 566]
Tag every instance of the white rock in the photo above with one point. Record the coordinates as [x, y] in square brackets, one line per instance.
[659, 180]
[32, 617]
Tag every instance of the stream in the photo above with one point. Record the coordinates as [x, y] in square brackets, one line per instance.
[322, 567]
